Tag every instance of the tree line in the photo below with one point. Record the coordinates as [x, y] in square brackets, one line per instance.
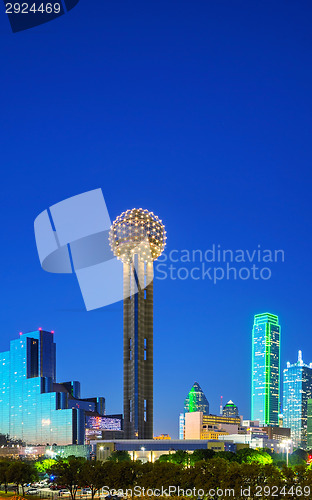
[203, 471]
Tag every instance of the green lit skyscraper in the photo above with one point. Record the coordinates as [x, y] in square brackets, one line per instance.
[196, 400]
[265, 377]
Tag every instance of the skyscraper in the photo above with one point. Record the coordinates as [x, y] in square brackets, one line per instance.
[196, 400]
[230, 410]
[309, 425]
[33, 407]
[297, 390]
[137, 238]
[265, 377]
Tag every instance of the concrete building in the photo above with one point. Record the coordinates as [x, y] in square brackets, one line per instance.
[256, 441]
[150, 450]
[265, 376]
[278, 433]
[200, 426]
[162, 436]
[137, 238]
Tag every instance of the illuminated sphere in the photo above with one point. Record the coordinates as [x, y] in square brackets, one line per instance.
[137, 231]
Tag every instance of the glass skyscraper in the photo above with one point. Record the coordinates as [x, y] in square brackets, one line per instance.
[196, 400]
[33, 407]
[309, 425]
[265, 379]
[297, 390]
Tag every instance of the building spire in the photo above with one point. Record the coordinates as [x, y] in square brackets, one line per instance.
[300, 358]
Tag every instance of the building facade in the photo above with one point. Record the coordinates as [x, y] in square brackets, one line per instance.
[297, 390]
[196, 400]
[265, 380]
[181, 426]
[33, 407]
[230, 410]
[137, 238]
[309, 425]
[149, 450]
[200, 426]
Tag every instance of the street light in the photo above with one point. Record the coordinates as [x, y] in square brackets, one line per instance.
[285, 444]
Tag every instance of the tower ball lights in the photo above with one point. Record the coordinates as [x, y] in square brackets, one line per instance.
[137, 238]
[137, 231]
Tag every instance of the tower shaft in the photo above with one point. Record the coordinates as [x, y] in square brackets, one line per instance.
[138, 349]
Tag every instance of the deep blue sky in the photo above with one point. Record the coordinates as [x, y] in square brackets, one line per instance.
[199, 111]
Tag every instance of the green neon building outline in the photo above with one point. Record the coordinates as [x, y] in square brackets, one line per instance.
[192, 400]
[269, 320]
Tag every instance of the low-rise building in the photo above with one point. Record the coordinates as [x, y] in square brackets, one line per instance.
[257, 441]
[200, 426]
[149, 450]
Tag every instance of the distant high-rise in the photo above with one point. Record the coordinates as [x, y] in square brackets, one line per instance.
[196, 400]
[181, 426]
[230, 410]
[265, 377]
[297, 390]
[137, 238]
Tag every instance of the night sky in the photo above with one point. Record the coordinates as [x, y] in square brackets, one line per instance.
[199, 111]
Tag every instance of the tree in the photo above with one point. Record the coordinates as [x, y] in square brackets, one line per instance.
[120, 456]
[201, 454]
[298, 457]
[94, 476]
[43, 466]
[249, 455]
[272, 478]
[20, 473]
[179, 457]
[230, 456]
[158, 475]
[4, 466]
[69, 473]
[210, 474]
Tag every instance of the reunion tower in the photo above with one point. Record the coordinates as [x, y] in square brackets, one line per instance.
[137, 238]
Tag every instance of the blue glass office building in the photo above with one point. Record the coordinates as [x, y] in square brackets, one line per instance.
[297, 389]
[33, 407]
[265, 377]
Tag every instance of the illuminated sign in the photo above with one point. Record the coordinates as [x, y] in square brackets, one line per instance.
[93, 433]
[103, 423]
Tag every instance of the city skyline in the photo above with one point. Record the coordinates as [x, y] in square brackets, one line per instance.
[203, 116]
[38, 362]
